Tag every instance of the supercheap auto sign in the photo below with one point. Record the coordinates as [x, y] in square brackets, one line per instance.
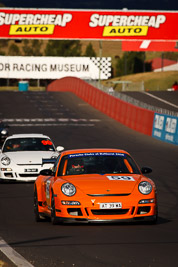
[88, 24]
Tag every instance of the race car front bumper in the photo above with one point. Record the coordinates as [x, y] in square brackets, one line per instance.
[22, 173]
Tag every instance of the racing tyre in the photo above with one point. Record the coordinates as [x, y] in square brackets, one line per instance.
[38, 217]
[54, 219]
[154, 219]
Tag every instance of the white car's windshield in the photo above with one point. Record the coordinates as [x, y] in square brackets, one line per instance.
[28, 144]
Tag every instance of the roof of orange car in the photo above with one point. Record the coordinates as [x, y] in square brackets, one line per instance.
[90, 150]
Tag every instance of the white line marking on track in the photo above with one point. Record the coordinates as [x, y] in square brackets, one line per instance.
[160, 99]
[13, 256]
[28, 122]
[49, 120]
[50, 124]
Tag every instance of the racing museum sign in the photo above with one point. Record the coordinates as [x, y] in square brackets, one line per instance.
[54, 67]
[88, 24]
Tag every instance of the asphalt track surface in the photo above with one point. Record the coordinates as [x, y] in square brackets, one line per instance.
[74, 124]
[165, 100]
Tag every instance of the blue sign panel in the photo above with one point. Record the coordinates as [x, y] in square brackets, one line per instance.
[165, 128]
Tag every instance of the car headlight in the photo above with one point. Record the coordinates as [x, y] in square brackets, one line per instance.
[145, 188]
[5, 160]
[68, 189]
[4, 132]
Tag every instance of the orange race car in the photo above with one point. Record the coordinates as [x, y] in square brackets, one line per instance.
[94, 185]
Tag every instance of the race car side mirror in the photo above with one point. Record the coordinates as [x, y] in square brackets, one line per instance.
[146, 170]
[46, 172]
[59, 148]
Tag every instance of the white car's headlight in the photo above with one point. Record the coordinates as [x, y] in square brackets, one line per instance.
[5, 160]
[68, 189]
[145, 188]
[4, 132]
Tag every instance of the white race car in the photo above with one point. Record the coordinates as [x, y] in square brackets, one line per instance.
[21, 156]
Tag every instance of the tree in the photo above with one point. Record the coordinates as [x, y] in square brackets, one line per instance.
[2, 53]
[171, 55]
[90, 52]
[32, 47]
[64, 48]
[36, 44]
[4, 43]
[13, 50]
[27, 49]
[131, 62]
[3, 46]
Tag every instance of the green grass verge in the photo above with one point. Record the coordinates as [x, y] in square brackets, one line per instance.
[153, 81]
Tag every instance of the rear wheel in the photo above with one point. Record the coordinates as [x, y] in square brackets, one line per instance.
[54, 219]
[38, 217]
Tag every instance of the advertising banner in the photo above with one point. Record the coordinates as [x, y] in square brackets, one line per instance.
[165, 128]
[55, 67]
[88, 24]
[147, 45]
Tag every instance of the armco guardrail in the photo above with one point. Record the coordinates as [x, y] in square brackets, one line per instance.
[136, 118]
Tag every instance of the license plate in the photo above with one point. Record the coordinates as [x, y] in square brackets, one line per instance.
[114, 205]
[31, 170]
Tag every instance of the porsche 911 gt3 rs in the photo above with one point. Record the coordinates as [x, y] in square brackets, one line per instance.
[95, 185]
[21, 156]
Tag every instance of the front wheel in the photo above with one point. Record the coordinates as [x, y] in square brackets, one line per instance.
[154, 218]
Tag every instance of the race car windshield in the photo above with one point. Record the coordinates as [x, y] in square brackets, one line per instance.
[28, 144]
[99, 163]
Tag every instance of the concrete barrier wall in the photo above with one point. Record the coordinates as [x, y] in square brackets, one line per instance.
[136, 118]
